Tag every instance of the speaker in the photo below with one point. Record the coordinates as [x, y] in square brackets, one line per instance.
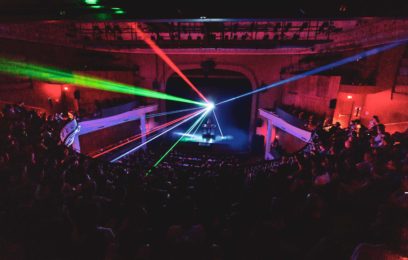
[332, 103]
[77, 94]
[258, 144]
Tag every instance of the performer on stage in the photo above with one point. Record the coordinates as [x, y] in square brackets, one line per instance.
[208, 129]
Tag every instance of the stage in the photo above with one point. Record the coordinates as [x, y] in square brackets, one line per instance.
[205, 139]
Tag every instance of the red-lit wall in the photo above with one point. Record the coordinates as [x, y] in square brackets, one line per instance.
[312, 93]
[94, 141]
[34, 94]
[259, 68]
[349, 107]
[37, 94]
[392, 112]
[88, 96]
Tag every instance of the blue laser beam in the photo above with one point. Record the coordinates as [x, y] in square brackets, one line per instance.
[157, 136]
[172, 112]
[321, 69]
[216, 120]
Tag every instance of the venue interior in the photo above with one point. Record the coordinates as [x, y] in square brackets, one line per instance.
[134, 130]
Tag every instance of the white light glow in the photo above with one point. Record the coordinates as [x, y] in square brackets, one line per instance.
[210, 106]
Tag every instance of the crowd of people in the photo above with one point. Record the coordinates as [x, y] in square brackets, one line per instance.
[345, 196]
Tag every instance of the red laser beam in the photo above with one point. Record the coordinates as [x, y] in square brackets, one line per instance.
[139, 136]
[166, 59]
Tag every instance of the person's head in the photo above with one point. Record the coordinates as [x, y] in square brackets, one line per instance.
[376, 118]
[321, 146]
[347, 144]
[381, 128]
[373, 143]
[391, 165]
[368, 157]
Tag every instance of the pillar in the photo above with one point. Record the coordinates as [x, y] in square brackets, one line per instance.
[271, 133]
[268, 140]
[143, 129]
[76, 145]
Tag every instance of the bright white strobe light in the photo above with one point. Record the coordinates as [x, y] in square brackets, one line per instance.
[210, 105]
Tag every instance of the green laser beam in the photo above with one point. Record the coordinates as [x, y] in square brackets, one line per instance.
[174, 145]
[40, 72]
[52, 74]
[158, 135]
[198, 127]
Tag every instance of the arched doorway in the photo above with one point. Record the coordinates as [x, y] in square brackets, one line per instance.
[221, 84]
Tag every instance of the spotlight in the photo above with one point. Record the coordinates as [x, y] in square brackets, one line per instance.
[91, 2]
[210, 106]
